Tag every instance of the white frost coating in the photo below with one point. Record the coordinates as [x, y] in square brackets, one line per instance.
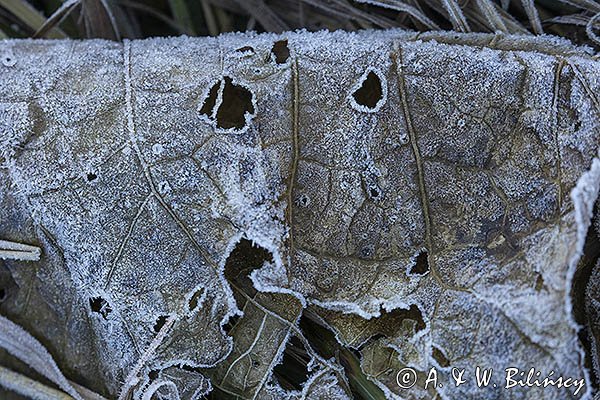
[584, 196]
[248, 174]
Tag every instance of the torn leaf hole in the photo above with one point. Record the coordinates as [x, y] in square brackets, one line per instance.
[292, 372]
[100, 306]
[231, 323]
[211, 100]
[160, 322]
[539, 283]
[281, 51]
[91, 176]
[374, 192]
[153, 375]
[245, 258]
[370, 93]
[245, 49]
[421, 266]
[236, 103]
[196, 299]
[439, 356]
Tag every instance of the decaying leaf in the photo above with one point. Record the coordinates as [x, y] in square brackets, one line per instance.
[426, 196]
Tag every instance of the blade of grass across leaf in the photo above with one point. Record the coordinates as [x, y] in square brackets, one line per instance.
[57, 17]
[30, 17]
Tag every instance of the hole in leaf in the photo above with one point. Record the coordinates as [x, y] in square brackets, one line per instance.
[440, 357]
[153, 375]
[367, 251]
[236, 103]
[160, 322]
[421, 266]
[91, 176]
[211, 99]
[245, 258]
[245, 49]
[370, 92]
[539, 283]
[100, 306]
[281, 51]
[195, 299]
[293, 370]
[374, 192]
[323, 341]
[303, 200]
[231, 323]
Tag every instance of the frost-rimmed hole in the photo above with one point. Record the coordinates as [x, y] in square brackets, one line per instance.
[228, 106]
[236, 103]
[245, 50]
[231, 323]
[293, 371]
[370, 92]
[9, 60]
[243, 259]
[100, 306]
[196, 299]
[281, 51]
[421, 264]
[211, 99]
[90, 176]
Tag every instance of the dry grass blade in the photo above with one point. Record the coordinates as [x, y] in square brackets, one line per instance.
[19, 343]
[28, 387]
[181, 14]
[589, 28]
[57, 16]
[534, 17]
[98, 20]
[400, 6]
[264, 15]
[362, 17]
[589, 5]
[573, 19]
[30, 16]
[209, 18]
[456, 16]
[494, 19]
[151, 11]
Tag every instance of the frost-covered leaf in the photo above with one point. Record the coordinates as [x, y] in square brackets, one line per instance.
[430, 194]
